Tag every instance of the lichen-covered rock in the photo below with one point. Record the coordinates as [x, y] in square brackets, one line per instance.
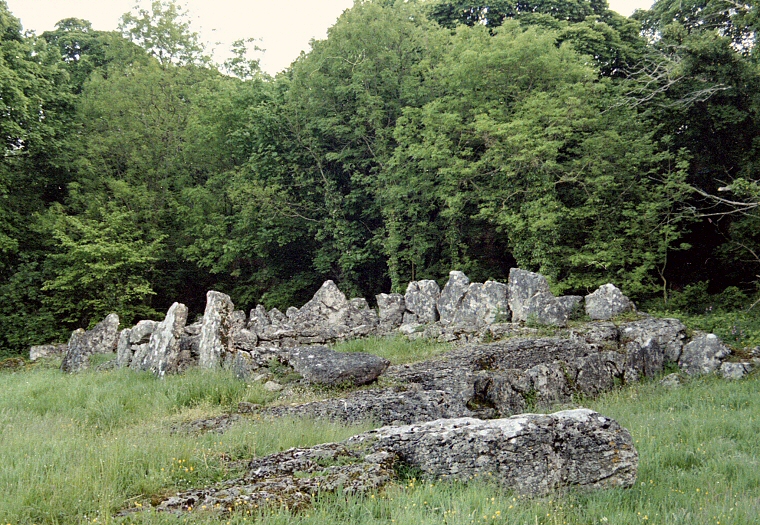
[483, 304]
[735, 371]
[391, 309]
[450, 300]
[164, 345]
[124, 349]
[703, 355]
[607, 302]
[320, 365]
[216, 331]
[669, 334]
[643, 360]
[259, 319]
[102, 339]
[530, 299]
[141, 332]
[43, 351]
[531, 454]
[421, 300]
[385, 406]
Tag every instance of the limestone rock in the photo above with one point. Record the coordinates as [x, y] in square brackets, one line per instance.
[164, 345]
[483, 304]
[703, 355]
[319, 364]
[326, 306]
[531, 454]
[102, 339]
[140, 333]
[607, 302]
[259, 319]
[42, 351]
[643, 360]
[124, 349]
[421, 302]
[735, 371]
[450, 300]
[530, 299]
[216, 331]
[391, 309]
[669, 334]
[139, 357]
[672, 381]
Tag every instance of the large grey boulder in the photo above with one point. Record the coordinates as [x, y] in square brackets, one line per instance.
[531, 454]
[421, 300]
[259, 319]
[703, 355]
[391, 309]
[320, 365]
[326, 307]
[216, 330]
[164, 344]
[102, 339]
[735, 371]
[607, 302]
[141, 332]
[669, 334]
[483, 304]
[450, 300]
[530, 299]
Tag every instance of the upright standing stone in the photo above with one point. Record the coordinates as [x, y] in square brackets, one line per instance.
[123, 349]
[422, 302]
[100, 340]
[390, 310]
[216, 330]
[164, 344]
[452, 295]
[530, 299]
[483, 304]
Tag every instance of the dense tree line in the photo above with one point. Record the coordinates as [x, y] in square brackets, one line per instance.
[419, 137]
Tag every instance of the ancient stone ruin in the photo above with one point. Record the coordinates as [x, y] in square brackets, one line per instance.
[454, 415]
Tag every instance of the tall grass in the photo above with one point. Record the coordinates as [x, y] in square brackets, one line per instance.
[77, 449]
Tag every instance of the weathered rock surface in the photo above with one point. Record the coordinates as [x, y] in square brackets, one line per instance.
[670, 334]
[391, 309]
[102, 339]
[735, 371]
[450, 300]
[43, 351]
[164, 345]
[385, 406]
[216, 331]
[530, 299]
[532, 454]
[643, 360]
[320, 365]
[483, 304]
[607, 302]
[124, 350]
[421, 302]
[703, 355]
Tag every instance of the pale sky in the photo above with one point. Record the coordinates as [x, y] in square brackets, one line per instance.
[285, 27]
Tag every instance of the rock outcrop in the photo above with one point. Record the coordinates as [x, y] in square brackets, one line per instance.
[421, 301]
[102, 339]
[532, 454]
[43, 351]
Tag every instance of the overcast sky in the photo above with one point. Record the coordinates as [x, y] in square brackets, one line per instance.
[284, 26]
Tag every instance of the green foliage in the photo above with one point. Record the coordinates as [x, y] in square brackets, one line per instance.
[105, 263]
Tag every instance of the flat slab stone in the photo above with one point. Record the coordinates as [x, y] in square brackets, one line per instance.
[319, 364]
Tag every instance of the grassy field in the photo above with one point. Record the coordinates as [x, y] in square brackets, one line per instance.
[77, 449]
